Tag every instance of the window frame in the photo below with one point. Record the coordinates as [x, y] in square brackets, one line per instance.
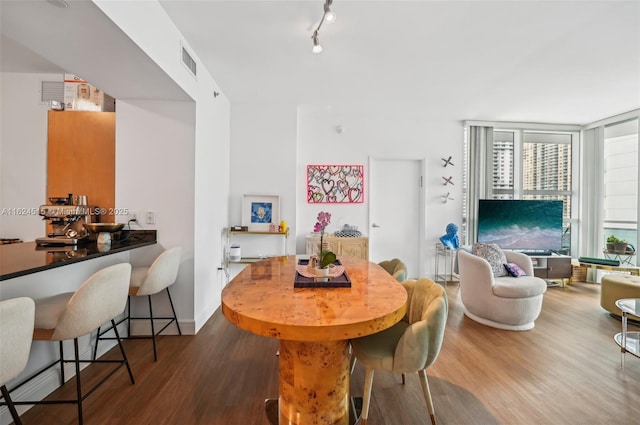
[519, 129]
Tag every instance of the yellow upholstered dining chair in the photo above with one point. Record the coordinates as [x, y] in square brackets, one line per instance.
[411, 345]
[395, 268]
[16, 331]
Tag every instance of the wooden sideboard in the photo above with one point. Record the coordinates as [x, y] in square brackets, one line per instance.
[352, 247]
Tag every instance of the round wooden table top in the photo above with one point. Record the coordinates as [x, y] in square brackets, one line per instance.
[262, 299]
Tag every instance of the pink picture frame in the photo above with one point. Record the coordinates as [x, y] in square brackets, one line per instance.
[335, 184]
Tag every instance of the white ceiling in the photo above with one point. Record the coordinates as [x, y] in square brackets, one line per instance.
[531, 61]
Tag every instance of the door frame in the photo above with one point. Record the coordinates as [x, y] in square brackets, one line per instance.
[422, 263]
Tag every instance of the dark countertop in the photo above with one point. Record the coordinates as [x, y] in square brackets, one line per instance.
[20, 259]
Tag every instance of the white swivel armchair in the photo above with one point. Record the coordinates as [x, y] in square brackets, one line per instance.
[505, 302]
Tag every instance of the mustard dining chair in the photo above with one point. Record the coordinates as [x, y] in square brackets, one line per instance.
[411, 345]
[16, 331]
[395, 268]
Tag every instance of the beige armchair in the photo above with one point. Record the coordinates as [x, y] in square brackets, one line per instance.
[411, 345]
[505, 302]
[395, 268]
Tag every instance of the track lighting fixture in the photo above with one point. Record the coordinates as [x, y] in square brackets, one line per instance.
[328, 16]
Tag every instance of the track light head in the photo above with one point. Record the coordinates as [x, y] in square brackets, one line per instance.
[329, 16]
[317, 47]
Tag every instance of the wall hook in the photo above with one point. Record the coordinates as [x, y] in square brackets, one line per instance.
[446, 198]
[448, 180]
[447, 162]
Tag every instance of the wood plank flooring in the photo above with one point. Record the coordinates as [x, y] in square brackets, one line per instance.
[564, 371]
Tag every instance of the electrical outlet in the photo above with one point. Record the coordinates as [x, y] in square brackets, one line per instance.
[150, 217]
[133, 216]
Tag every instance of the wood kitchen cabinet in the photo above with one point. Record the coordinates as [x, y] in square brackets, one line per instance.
[81, 157]
[352, 247]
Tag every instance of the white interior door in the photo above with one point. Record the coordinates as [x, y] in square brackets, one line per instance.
[396, 212]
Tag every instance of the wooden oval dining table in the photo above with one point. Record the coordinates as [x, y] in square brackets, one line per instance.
[314, 326]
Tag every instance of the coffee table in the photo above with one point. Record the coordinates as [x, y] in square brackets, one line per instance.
[629, 342]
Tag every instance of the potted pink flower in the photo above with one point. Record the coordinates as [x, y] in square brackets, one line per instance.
[326, 257]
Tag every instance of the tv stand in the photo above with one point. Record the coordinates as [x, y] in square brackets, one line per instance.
[537, 253]
[554, 266]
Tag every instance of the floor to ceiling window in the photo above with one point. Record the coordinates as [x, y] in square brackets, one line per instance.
[621, 182]
[534, 165]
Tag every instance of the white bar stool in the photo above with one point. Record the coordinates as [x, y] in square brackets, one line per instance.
[16, 331]
[148, 281]
[71, 315]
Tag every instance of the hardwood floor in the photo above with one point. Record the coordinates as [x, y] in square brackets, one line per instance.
[564, 371]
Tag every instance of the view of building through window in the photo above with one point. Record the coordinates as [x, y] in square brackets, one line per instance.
[503, 146]
[621, 181]
[544, 171]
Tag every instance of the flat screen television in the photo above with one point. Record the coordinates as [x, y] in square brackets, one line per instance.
[522, 225]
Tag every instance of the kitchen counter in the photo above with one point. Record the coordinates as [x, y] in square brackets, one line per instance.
[20, 259]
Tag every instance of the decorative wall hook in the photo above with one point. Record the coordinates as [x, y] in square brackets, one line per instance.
[448, 180]
[446, 198]
[447, 162]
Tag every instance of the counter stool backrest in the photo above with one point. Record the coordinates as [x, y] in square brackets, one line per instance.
[162, 273]
[16, 331]
[99, 299]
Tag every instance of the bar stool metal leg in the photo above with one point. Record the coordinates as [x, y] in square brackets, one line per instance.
[78, 383]
[11, 406]
[153, 330]
[175, 316]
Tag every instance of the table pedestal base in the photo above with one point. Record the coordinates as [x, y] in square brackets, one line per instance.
[272, 411]
[314, 383]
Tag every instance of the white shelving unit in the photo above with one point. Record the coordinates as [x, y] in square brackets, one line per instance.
[254, 246]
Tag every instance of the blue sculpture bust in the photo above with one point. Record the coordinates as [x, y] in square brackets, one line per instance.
[450, 239]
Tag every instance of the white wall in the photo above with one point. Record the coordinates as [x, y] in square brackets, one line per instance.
[211, 206]
[263, 159]
[23, 154]
[381, 131]
[155, 159]
[147, 24]
[262, 139]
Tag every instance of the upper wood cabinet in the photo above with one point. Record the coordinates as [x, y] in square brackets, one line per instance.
[81, 157]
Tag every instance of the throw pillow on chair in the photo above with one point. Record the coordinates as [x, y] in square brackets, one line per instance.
[494, 255]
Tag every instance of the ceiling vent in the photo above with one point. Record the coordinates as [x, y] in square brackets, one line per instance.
[188, 61]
